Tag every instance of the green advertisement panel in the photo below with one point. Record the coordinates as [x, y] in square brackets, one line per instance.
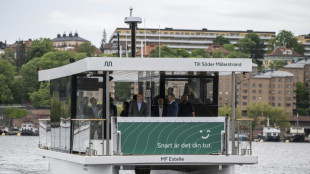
[147, 138]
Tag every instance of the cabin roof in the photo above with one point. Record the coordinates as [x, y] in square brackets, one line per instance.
[131, 66]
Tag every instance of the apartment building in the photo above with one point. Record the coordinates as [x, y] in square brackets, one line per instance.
[275, 88]
[66, 43]
[181, 38]
[305, 40]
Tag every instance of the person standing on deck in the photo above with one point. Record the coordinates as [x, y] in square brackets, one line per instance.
[138, 108]
[173, 106]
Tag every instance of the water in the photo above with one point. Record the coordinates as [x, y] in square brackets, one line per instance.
[17, 156]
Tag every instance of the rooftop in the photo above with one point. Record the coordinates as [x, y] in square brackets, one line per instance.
[282, 51]
[70, 37]
[274, 74]
[300, 64]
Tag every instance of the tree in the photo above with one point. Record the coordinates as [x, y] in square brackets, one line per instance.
[21, 54]
[103, 40]
[9, 55]
[277, 116]
[6, 77]
[218, 54]
[39, 47]
[182, 53]
[225, 109]
[221, 40]
[199, 53]
[302, 99]
[229, 47]
[276, 64]
[251, 44]
[122, 91]
[87, 48]
[164, 52]
[15, 112]
[287, 39]
[42, 96]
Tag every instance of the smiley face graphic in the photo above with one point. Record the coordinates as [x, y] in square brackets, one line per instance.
[206, 132]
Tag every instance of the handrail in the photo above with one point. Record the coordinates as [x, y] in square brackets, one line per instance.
[44, 119]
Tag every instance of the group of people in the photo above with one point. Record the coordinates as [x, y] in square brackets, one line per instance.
[138, 108]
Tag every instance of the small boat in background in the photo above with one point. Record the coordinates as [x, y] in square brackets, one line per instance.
[271, 133]
[28, 129]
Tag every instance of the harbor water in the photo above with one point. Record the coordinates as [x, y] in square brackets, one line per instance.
[17, 156]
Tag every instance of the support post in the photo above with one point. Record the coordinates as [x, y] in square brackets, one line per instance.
[107, 113]
[233, 110]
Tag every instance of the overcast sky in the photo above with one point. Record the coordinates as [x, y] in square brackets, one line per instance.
[24, 19]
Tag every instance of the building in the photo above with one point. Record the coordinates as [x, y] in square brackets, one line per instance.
[286, 55]
[2, 47]
[275, 88]
[21, 44]
[181, 38]
[66, 43]
[305, 40]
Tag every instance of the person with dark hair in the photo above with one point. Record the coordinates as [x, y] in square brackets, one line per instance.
[138, 108]
[173, 106]
[188, 90]
[125, 110]
[186, 108]
[113, 109]
[160, 110]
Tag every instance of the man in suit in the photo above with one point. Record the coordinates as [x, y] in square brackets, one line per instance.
[138, 108]
[160, 110]
[173, 106]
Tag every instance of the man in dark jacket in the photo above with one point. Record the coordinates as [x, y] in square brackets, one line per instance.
[138, 108]
[160, 110]
[173, 106]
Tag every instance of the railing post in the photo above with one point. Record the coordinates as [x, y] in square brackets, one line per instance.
[107, 113]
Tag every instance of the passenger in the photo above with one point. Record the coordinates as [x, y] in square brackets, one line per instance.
[82, 107]
[173, 106]
[160, 110]
[188, 90]
[125, 110]
[138, 108]
[186, 108]
[113, 109]
[96, 113]
[169, 91]
[95, 109]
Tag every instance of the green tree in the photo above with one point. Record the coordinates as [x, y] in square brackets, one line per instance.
[251, 44]
[15, 112]
[229, 47]
[199, 53]
[276, 64]
[182, 53]
[42, 96]
[287, 39]
[122, 91]
[218, 54]
[164, 52]
[225, 109]
[8, 55]
[5, 92]
[18, 90]
[6, 77]
[87, 48]
[39, 47]
[302, 99]
[221, 40]
[103, 40]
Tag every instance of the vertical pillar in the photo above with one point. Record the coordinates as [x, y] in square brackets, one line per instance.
[107, 113]
[133, 39]
[233, 111]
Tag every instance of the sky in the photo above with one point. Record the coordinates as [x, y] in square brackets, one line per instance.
[34, 19]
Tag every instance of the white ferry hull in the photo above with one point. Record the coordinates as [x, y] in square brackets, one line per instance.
[63, 163]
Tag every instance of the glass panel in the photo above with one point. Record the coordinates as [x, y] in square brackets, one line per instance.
[89, 98]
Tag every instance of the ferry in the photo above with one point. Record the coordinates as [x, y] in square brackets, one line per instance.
[28, 129]
[77, 139]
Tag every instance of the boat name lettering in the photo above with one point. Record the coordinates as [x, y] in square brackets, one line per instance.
[108, 63]
[174, 159]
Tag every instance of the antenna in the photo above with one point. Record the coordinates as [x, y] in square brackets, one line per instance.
[130, 8]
